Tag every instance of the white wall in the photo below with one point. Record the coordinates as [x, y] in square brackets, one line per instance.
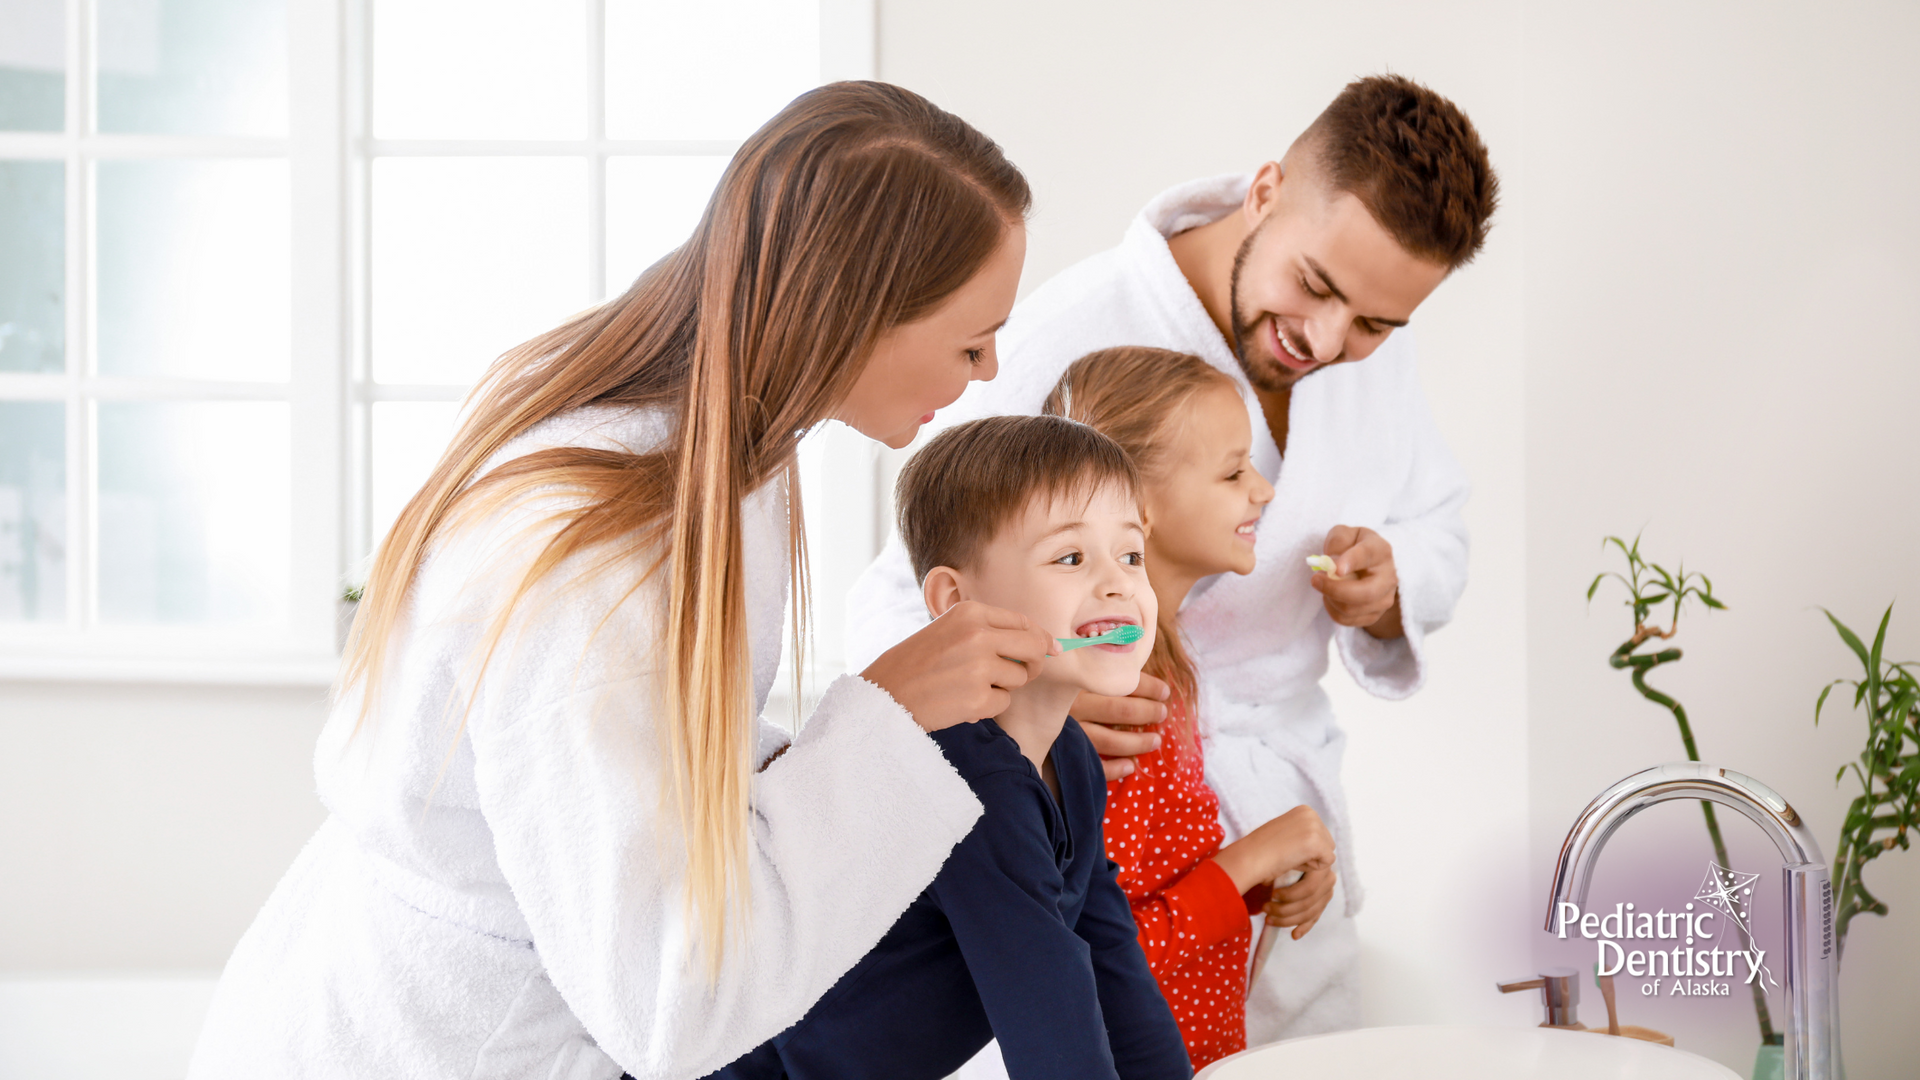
[142, 826]
[1720, 317]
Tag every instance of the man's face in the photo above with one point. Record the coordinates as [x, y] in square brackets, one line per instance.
[1318, 282]
[1076, 566]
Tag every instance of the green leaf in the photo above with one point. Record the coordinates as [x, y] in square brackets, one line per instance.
[1652, 600]
[1593, 588]
[1852, 640]
[1880, 638]
[1902, 703]
[1712, 603]
[1821, 704]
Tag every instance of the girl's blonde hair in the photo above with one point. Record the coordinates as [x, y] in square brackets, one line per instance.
[858, 208]
[1133, 394]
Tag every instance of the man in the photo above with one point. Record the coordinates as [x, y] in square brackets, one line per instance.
[1294, 281]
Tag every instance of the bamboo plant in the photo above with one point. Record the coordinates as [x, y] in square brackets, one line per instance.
[1649, 587]
[1886, 811]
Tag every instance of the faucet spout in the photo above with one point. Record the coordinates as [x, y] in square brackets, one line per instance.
[1813, 1022]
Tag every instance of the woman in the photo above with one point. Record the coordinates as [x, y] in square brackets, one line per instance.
[559, 843]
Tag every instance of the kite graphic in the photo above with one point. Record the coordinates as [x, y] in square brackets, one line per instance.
[1730, 892]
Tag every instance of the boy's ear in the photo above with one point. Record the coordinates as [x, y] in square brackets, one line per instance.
[941, 590]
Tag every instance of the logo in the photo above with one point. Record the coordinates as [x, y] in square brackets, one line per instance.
[1635, 942]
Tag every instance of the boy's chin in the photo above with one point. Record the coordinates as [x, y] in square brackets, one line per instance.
[1112, 684]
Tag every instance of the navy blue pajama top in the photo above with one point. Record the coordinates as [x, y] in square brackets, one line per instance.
[1024, 936]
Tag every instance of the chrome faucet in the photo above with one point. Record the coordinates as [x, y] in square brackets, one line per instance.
[1813, 1019]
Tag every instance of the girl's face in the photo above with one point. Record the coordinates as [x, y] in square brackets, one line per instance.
[1206, 502]
[922, 366]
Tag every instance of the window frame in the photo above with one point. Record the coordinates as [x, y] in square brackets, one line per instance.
[329, 390]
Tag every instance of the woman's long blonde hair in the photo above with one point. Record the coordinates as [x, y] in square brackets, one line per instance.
[858, 208]
[1133, 395]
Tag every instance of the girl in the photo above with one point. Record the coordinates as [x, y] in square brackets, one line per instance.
[559, 845]
[1185, 425]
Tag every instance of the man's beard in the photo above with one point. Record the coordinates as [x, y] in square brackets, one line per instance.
[1271, 378]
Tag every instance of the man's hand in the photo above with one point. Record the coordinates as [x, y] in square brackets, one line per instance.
[1299, 905]
[1111, 723]
[1363, 589]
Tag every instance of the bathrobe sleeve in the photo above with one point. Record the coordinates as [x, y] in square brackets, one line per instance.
[843, 831]
[1429, 538]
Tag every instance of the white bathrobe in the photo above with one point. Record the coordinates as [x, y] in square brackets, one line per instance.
[503, 900]
[1362, 450]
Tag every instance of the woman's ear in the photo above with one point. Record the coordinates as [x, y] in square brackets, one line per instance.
[941, 590]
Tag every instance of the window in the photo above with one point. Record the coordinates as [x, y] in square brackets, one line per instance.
[254, 252]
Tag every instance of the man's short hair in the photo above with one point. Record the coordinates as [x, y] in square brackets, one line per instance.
[974, 478]
[1414, 160]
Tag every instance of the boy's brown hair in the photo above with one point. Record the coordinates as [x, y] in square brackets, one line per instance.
[1414, 160]
[973, 478]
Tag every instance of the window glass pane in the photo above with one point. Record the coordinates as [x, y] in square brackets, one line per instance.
[194, 511]
[408, 438]
[33, 511]
[33, 65]
[193, 269]
[470, 258]
[653, 203]
[33, 260]
[193, 67]
[712, 70]
[479, 69]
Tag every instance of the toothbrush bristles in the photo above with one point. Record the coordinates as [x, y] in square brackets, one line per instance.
[1119, 635]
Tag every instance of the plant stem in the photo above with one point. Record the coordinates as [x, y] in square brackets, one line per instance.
[1624, 657]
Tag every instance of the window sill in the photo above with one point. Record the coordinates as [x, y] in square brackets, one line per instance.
[225, 663]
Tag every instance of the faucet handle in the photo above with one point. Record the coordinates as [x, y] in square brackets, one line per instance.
[1560, 990]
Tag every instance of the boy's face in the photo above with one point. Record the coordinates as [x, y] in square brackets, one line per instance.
[1076, 566]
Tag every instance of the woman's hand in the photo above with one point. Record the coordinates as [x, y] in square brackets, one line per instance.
[964, 665]
[1296, 840]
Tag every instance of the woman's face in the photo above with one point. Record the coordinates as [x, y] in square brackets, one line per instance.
[922, 366]
[1206, 502]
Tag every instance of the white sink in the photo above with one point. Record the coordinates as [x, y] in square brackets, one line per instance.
[1446, 1051]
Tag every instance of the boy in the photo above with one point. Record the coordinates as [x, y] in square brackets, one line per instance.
[1025, 936]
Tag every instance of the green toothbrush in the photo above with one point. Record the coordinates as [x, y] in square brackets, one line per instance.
[1119, 635]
